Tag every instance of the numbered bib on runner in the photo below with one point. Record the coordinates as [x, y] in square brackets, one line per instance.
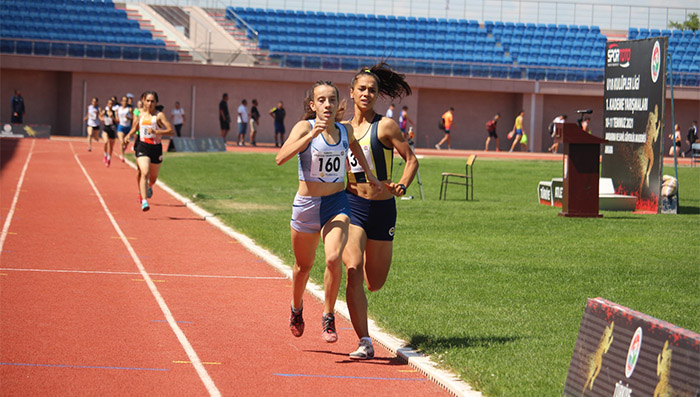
[327, 164]
[355, 166]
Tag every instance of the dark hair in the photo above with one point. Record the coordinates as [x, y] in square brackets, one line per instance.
[404, 108]
[587, 119]
[147, 93]
[497, 114]
[564, 116]
[254, 101]
[310, 113]
[224, 96]
[244, 102]
[390, 83]
[452, 109]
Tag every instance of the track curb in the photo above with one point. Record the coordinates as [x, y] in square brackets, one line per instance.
[422, 363]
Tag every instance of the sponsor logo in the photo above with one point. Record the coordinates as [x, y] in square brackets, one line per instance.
[7, 129]
[655, 62]
[633, 352]
[391, 231]
[619, 56]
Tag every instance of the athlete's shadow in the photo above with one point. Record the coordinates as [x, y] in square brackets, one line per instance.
[393, 361]
[168, 205]
[424, 341]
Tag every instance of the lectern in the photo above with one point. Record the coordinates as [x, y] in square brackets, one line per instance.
[581, 171]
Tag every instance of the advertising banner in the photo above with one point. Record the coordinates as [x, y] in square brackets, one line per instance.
[25, 131]
[198, 144]
[625, 353]
[635, 92]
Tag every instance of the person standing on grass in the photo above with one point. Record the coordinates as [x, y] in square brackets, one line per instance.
[224, 117]
[390, 112]
[254, 121]
[517, 132]
[242, 120]
[108, 118]
[404, 120]
[151, 126]
[93, 121]
[367, 255]
[124, 117]
[177, 116]
[446, 126]
[320, 208]
[692, 137]
[491, 130]
[17, 104]
[278, 113]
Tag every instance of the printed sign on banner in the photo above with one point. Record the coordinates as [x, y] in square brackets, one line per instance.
[622, 352]
[635, 92]
[25, 131]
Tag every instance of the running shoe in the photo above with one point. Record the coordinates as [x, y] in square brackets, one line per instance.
[437, 146]
[364, 351]
[296, 323]
[105, 159]
[329, 334]
[140, 198]
[149, 192]
[144, 206]
[109, 162]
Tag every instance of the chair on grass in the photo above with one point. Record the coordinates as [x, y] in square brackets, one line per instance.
[468, 177]
[694, 154]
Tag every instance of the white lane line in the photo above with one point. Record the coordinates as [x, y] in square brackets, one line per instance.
[136, 273]
[18, 189]
[191, 354]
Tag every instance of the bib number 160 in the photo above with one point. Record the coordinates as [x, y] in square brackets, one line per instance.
[331, 164]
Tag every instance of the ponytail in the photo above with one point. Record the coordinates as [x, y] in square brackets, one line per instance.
[390, 83]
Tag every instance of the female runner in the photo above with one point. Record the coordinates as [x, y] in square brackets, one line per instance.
[151, 125]
[93, 122]
[125, 116]
[320, 207]
[367, 255]
[108, 118]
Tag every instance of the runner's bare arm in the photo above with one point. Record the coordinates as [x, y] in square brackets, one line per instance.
[163, 122]
[298, 140]
[390, 135]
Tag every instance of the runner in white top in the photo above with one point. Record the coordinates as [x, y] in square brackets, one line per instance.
[93, 122]
[320, 207]
[108, 117]
[125, 116]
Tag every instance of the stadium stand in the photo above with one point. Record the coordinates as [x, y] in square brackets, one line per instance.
[429, 45]
[684, 47]
[77, 28]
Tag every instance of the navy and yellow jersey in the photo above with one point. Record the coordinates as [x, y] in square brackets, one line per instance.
[379, 157]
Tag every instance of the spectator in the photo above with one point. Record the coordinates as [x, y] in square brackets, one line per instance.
[404, 120]
[278, 114]
[491, 130]
[254, 121]
[17, 108]
[224, 117]
[676, 137]
[585, 125]
[242, 120]
[446, 126]
[177, 116]
[692, 136]
[390, 112]
[552, 132]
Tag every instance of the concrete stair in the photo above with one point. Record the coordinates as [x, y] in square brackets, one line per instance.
[262, 57]
[146, 24]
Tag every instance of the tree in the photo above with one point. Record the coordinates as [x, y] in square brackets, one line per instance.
[691, 23]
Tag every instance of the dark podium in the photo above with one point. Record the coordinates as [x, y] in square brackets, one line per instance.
[581, 171]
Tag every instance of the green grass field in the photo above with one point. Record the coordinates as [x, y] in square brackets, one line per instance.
[492, 289]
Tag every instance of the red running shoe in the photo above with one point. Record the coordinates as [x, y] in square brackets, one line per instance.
[296, 323]
[329, 333]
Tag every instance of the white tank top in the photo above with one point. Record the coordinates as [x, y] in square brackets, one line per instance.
[323, 162]
[122, 113]
[147, 123]
[109, 120]
[93, 121]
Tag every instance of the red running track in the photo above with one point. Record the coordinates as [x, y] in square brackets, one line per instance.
[77, 316]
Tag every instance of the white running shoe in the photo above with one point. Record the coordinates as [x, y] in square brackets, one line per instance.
[364, 351]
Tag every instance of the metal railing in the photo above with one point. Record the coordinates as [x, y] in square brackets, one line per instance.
[77, 49]
[606, 16]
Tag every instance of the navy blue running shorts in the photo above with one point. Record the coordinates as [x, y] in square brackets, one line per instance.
[376, 217]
